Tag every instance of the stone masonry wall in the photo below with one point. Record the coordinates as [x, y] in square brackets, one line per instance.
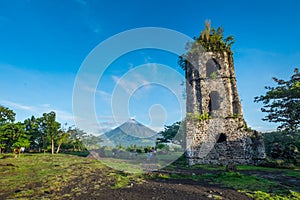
[211, 89]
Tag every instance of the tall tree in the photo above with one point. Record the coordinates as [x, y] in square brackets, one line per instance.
[6, 115]
[32, 130]
[282, 103]
[50, 127]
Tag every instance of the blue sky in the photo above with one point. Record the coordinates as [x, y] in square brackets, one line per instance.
[43, 44]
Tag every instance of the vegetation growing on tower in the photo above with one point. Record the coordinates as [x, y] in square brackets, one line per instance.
[210, 40]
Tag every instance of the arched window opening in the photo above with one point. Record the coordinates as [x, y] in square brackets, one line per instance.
[212, 66]
[222, 138]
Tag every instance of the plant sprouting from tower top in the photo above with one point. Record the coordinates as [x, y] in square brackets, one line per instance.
[213, 40]
[210, 40]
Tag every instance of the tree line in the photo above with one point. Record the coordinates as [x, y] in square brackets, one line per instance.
[41, 134]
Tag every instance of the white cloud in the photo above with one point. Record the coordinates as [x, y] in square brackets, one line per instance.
[102, 94]
[130, 85]
[18, 106]
[62, 116]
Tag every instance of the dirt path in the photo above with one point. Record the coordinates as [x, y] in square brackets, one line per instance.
[166, 189]
[157, 189]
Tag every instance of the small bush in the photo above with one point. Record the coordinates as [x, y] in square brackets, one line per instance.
[278, 163]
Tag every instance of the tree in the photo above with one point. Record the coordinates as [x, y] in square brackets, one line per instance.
[32, 130]
[6, 115]
[50, 127]
[62, 137]
[76, 139]
[173, 133]
[13, 135]
[282, 103]
[21, 138]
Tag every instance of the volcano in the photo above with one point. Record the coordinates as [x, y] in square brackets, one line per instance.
[131, 132]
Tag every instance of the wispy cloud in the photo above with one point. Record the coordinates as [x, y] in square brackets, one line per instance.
[90, 21]
[101, 93]
[18, 106]
[130, 85]
[62, 116]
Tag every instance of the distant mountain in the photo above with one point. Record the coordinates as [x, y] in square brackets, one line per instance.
[131, 133]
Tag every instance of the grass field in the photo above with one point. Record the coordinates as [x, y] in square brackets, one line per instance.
[36, 176]
[43, 175]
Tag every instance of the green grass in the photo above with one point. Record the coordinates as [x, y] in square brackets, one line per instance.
[295, 173]
[257, 168]
[242, 182]
[34, 175]
[260, 195]
[123, 165]
[255, 187]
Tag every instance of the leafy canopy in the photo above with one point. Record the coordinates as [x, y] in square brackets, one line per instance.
[282, 103]
[6, 115]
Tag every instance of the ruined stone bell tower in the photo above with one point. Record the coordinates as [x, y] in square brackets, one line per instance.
[216, 132]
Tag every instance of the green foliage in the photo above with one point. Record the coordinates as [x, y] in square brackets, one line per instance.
[282, 145]
[33, 131]
[198, 117]
[161, 146]
[13, 135]
[213, 76]
[282, 103]
[210, 40]
[50, 127]
[173, 133]
[40, 133]
[22, 139]
[278, 163]
[213, 40]
[91, 141]
[6, 115]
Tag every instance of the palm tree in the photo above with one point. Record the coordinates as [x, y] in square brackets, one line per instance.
[206, 32]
